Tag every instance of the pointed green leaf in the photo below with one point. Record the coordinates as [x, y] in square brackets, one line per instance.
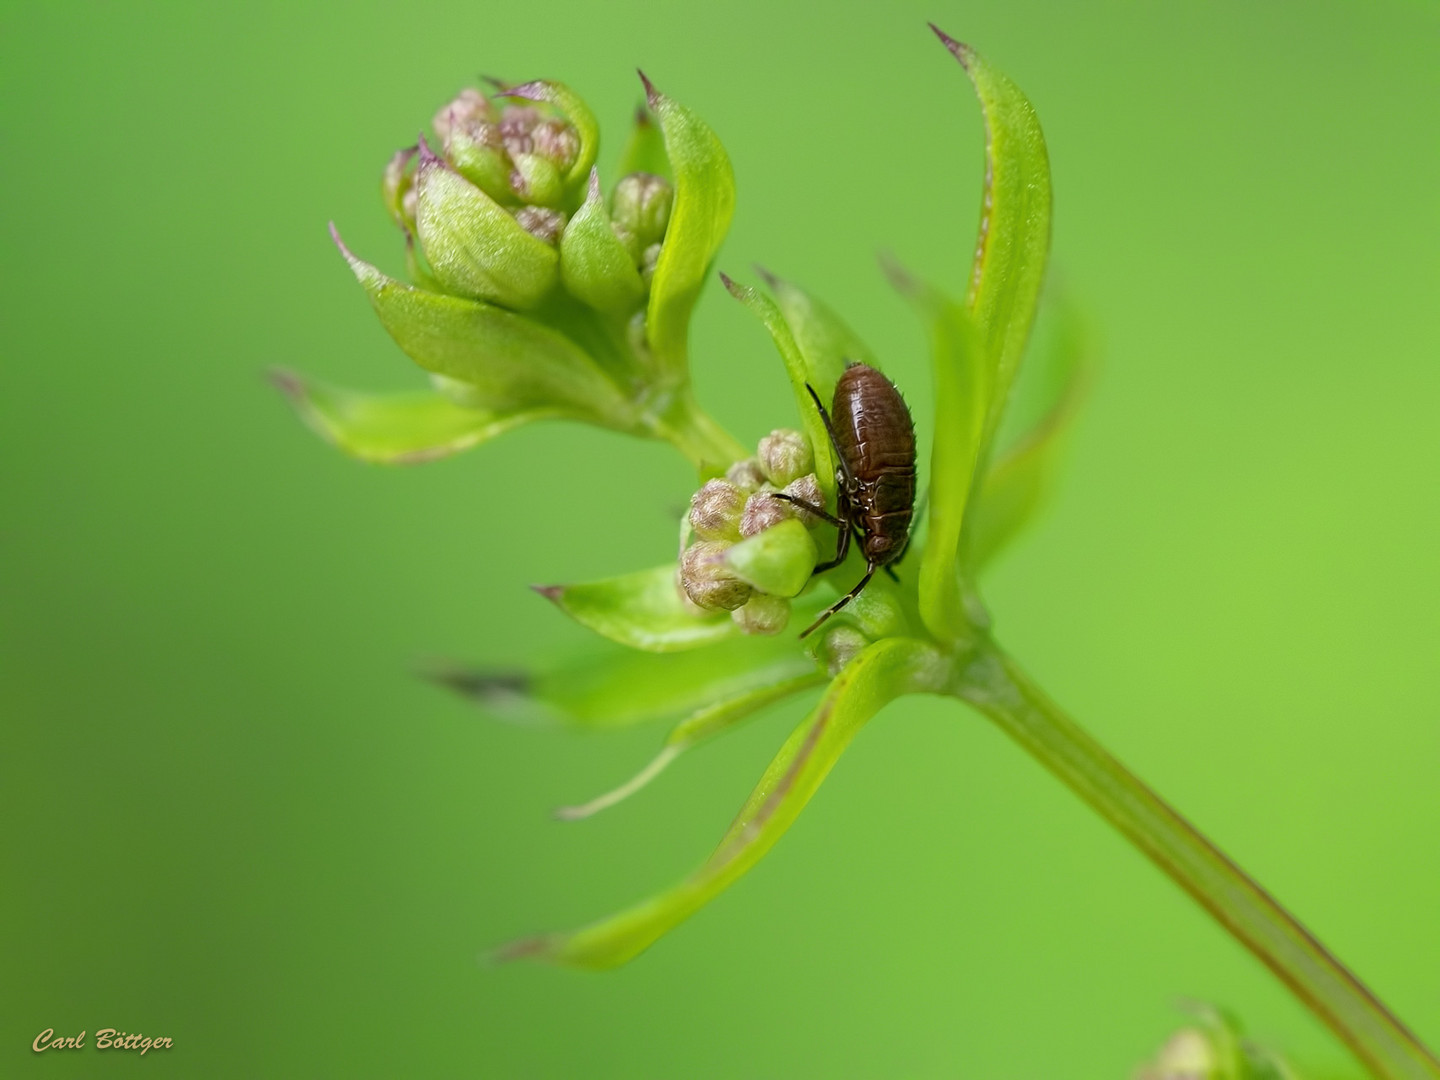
[594, 264]
[705, 723]
[964, 392]
[511, 363]
[704, 203]
[876, 676]
[1014, 237]
[1020, 479]
[800, 372]
[574, 109]
[644, 610]
[779, 560]
[612, 687]
[395, 429]
[473, 245]
[645, 149]
[825, 341]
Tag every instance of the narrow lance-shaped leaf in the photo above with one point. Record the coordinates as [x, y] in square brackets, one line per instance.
[699, 220]
[1014, 236]
[1019, 480]
[396, 429]
[876, 676]
[798, 369]
[826, 342]
[964, 389]
[703, 724]
[574, 109]
[611, 687]
[644, 610]
[510, 362]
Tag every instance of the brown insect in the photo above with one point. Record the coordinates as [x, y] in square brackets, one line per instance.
[874, 439]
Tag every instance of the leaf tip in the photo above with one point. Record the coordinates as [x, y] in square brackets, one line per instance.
[592, 193]
[535, 90]
[770, 279]
[958, 49]
[287, 382]
[652, 96]
[537, 947]
[550, 592]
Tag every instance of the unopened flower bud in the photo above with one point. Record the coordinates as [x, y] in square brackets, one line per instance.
[715, 511]
[478, 153]
[785, 456]
[763, 614]
[806, 490]
[778, 561]
[837, 646]
[468, 106]
[537, 180]
[556, 141]
[517, 122]
[398, 188]
[629, 242]
[649, 260]
[641, 205]
[541, 222]
[1187, 1055]
[764, 511]
[707, 581]
[746, 475]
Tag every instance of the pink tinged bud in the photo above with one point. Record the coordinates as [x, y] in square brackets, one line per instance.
[838, 647]
[707, 581]
[715, 511]
[649, 260]
[398, 188]
[641, 203]
[558, 142]
[764, 511]
[807, 490]
[517, 122]
[785, 456]
[763, 614]
[541, 222]
[746, 475]
[469, 105]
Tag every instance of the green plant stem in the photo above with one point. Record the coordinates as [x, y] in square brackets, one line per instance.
[697, 435]
[995, 685]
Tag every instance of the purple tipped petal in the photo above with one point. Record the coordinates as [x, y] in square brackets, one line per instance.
[335, 236]
[530, 91]
[427, 156]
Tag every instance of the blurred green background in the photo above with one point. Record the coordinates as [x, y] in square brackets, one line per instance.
[232, 815]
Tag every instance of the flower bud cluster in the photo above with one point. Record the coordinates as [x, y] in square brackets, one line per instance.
[729, 563]
[639, 215]
[515, 153]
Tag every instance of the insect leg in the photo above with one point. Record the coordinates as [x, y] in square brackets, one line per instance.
[841, 602]
[830, 431]
[808, 507]
[842, 548]
[893, 576]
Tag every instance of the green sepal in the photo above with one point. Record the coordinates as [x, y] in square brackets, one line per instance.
[572, 106]
[880, 673]
[826, 342]
[510, 362]
[594, 264]
[964, 382]
[705, 723]
[797, 367]
[395, 429]
[1020, 478]
[704, 203]
[644, 610]
[645, 149]
[1014, 238]
[540, 181]
[473, 245]
[778, 560]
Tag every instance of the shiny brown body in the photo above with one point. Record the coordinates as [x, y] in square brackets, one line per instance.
[874, 439]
